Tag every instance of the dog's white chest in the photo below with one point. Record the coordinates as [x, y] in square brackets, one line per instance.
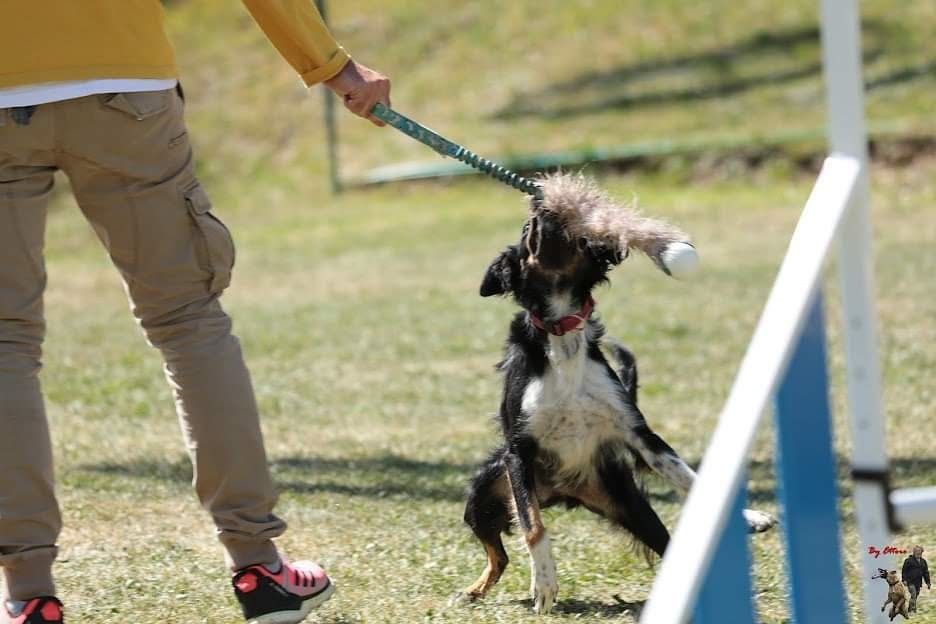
[573, 409]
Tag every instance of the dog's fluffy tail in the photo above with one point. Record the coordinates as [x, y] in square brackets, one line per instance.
[627, 371]
[627, 363]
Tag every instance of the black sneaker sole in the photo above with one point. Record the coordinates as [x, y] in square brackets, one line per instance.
[294, 616]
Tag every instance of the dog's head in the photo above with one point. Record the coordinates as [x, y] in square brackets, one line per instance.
[888, 576]
[549, 272]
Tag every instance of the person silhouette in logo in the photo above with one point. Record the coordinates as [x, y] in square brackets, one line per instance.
[915, 571]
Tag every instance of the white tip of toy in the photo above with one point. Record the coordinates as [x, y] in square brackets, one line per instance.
[680, 259]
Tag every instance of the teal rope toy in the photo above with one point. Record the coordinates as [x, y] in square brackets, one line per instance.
[598, 216]
[453, 150]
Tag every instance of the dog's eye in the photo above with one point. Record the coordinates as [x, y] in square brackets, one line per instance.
[582, 244]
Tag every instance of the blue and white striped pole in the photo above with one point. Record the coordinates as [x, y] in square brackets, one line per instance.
[806, 484]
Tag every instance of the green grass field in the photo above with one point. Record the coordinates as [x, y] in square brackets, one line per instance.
[529, 76]
[372, 353]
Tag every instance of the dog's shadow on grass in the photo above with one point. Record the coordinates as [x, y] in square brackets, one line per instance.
[338, 619]
[577, 608]
[377, 476]
[397, 476]
[384, 476]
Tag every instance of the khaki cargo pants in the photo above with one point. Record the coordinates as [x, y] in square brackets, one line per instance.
[130, 164]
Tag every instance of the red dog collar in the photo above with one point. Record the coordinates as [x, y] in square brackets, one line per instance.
[566, 324]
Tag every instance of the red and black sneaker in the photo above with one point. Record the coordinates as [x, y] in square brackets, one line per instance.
[42, 610]
[282, 597]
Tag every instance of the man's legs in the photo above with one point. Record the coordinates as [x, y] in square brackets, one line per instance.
[130, 163]
[29, 515]
[914, 593]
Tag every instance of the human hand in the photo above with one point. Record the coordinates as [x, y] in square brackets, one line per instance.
[360, 88]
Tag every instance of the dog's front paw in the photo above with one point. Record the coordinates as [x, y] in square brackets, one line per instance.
[543, 590]
[461, 598]
[758, 521]
[543, 584]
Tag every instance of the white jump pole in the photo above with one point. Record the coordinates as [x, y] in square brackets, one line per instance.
[841, 50]
[706, 509]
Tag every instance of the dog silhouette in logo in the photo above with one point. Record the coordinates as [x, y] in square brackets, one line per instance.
[897, 593]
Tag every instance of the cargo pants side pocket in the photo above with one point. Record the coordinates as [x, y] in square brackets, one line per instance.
[213, 241]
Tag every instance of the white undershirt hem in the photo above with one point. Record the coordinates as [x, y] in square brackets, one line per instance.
[32, 95]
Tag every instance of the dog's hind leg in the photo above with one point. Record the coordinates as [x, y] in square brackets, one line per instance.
[661, 457]
[650, 449]
[617, 497]
[487, 512]
[903, 610]
[543, 583]
[628, 367]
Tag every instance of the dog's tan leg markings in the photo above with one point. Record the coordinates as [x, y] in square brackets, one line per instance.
[488, 528]
[537, 531]
[496, 563]
[526, 509]
[543, 584]
[530, 520]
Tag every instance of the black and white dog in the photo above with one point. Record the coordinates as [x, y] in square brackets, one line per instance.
[572, 431]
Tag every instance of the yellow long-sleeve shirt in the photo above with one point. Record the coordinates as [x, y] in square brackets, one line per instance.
[62, 40]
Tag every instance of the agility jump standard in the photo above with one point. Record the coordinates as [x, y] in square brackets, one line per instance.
[786, 360]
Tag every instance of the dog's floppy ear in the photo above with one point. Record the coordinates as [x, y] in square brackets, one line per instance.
[499, 276]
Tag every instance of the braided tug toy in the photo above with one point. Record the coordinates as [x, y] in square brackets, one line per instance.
[583, 208]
